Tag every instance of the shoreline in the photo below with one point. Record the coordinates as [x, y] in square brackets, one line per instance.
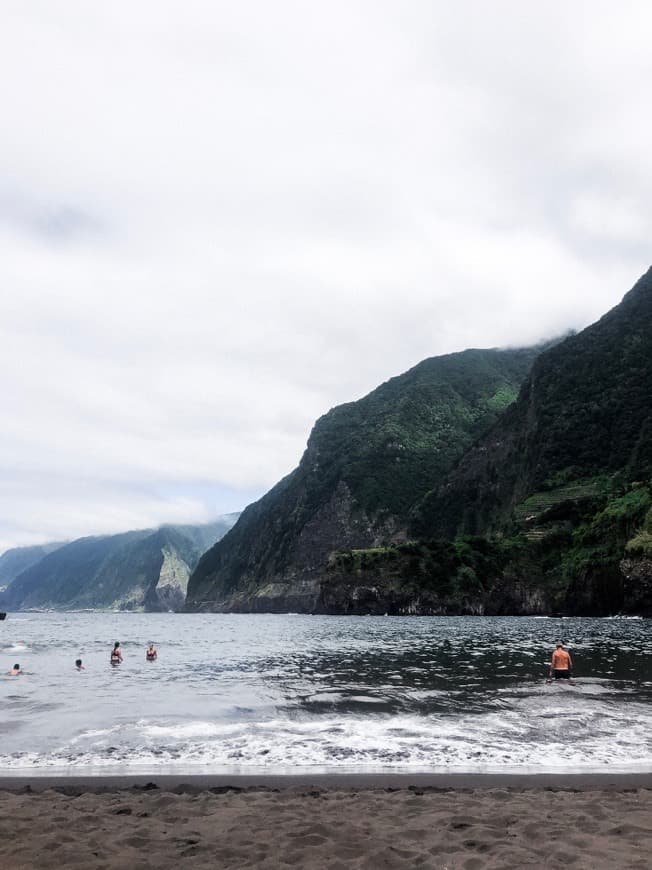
[193, 783]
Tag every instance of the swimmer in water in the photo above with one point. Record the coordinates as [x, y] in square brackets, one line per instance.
[561, 664]
[79, 665]
[15, 671]
[116, 654]
[151, 655]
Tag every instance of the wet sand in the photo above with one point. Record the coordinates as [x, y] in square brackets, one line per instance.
[335, 822]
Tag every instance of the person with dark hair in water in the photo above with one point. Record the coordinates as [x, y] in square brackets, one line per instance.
[79, 665]
[561, 664]
[116, 654]
[151, 655]
[15, 671]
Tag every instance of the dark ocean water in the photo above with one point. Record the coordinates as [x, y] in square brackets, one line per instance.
[287, 693]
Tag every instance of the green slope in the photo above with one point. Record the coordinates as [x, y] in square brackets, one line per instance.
[13, 562]
[365, 465]
[438, 494]
[146, 569]
[583, 417]
[559, 491]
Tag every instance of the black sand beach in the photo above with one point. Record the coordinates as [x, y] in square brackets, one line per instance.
[327, 821]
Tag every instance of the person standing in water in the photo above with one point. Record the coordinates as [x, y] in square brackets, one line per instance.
[561, 664]
[79, 665]
[151, 655]
[15, 671]
[116, 654]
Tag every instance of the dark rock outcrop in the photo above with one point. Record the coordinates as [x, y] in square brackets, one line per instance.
[637, 585]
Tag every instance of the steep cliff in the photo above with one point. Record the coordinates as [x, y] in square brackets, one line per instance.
[569, 465]
[636, 570]
[13, 562]
[583, 416]
[439, 494]
[473, 576]
[365, 465]
[140, 570]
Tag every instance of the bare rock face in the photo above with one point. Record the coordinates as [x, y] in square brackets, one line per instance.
[295, 585]
[170, 590]
[637, 585]
[341, 520]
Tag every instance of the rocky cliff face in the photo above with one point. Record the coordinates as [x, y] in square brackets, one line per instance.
[281, 586]
[397, 584]
[637, 585]
[439, 494]
[169, 590]
[473, 577]
[365, 464]
[387, 590]
[141, 570]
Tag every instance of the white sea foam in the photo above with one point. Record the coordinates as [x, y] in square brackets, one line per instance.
[248, 694]
[548, 737]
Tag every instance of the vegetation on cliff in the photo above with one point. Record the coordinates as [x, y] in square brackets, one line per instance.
[365, 464]
[440, 577]
[584, 412]
[136, 570]
[565, 558]
[13, 562]
[641, 543]
[438, 493]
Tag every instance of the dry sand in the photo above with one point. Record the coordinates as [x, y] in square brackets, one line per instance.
[334, 823]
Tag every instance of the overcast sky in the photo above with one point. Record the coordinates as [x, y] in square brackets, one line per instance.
[220, 219]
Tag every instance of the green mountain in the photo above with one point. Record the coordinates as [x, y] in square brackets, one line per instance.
[139, 570]
[365, 465]
[13, 562]
[445, 491]
[583, 416]
[550, 510]
[566, 470]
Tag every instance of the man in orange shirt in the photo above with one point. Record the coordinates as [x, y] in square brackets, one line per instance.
[561, 666]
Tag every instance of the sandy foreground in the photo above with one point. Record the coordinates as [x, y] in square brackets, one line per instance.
[327, 822]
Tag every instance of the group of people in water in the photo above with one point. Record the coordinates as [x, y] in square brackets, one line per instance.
[116, 653]
[561, 664]
[151, 654]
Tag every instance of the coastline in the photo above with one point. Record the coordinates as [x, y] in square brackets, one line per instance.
[192, 783]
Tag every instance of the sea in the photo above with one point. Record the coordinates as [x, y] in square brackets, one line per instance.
[322, 694]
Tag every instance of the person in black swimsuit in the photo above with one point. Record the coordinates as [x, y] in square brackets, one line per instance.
[116, 654]
[151, 654]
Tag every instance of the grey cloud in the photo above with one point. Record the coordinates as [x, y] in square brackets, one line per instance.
[223, 219]
[54, 222]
